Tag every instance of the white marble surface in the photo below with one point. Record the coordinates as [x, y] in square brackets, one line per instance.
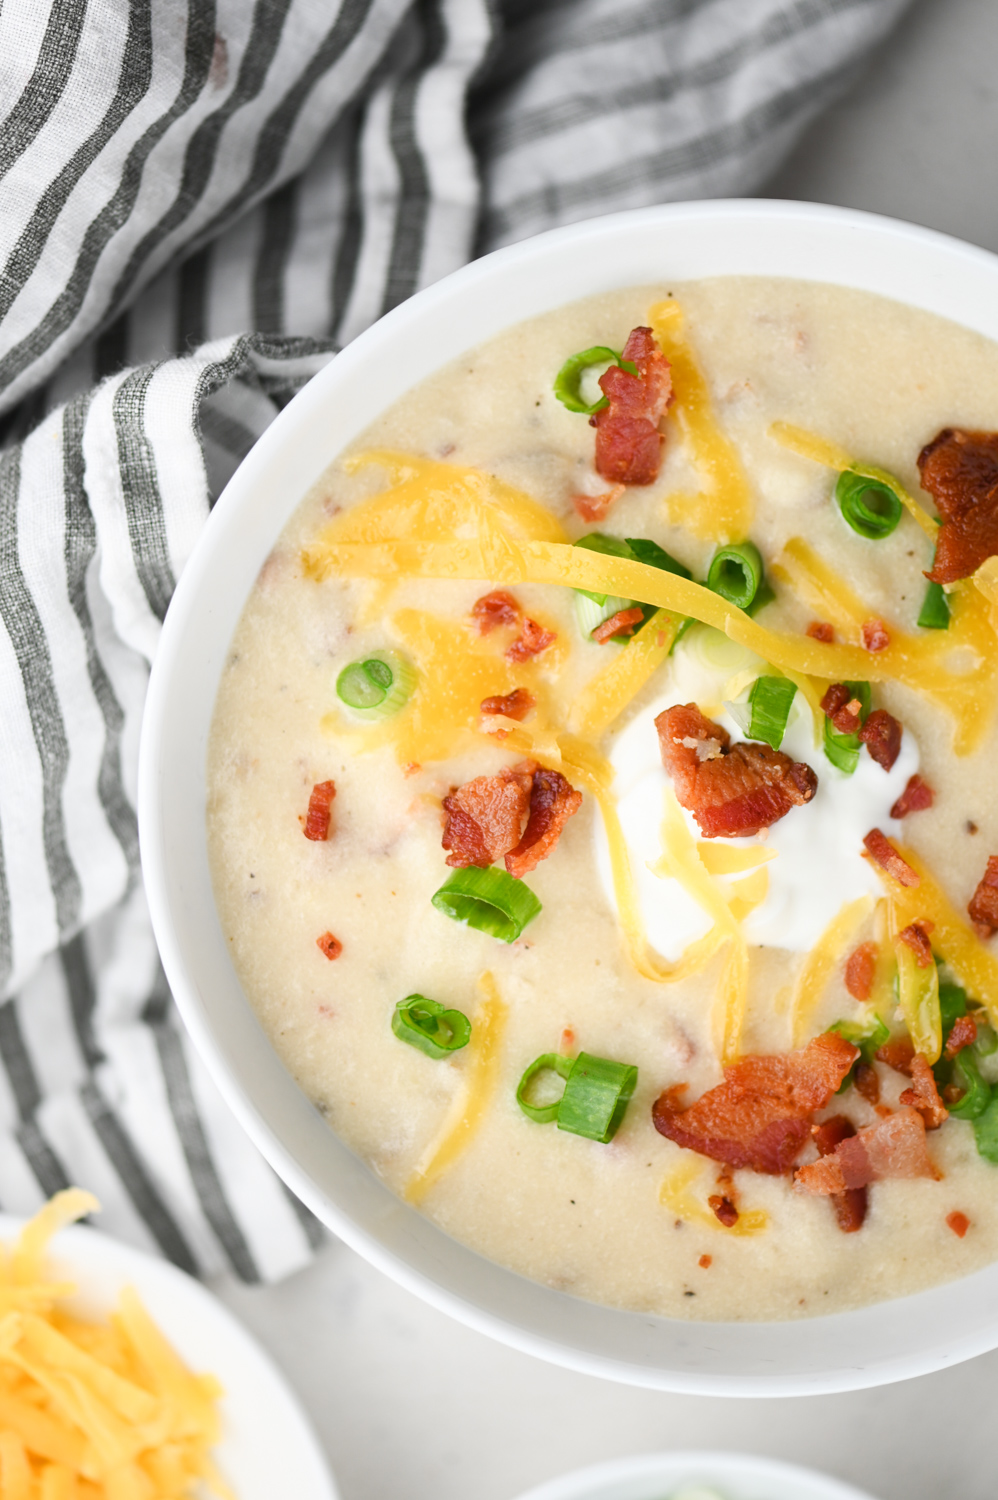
[410, 1404]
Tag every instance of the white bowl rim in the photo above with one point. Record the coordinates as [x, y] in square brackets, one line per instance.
[934, 271]
[694, 1466]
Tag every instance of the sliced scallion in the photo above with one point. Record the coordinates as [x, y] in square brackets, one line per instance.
[843, 749]
[735, 573]
[986, 1132]
[526, 1089]
[934, 614]
[655, 556]
[869, 506]
[427, 1025]
[568, 381]
[976, 1093]
[378, 685]
[769, 701]
[489, 900]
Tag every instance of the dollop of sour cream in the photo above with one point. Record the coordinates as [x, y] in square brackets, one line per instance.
[818, 864]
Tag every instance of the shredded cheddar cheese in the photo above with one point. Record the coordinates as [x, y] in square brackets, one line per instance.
[819, 964]
[473, 1096]
[607, 694]
[677, 1196]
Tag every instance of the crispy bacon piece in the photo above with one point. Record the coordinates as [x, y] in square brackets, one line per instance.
[958, 1222]
[485, 818]
[532, 640]
[497, 608]
[923, 1094]
[983, 904]
[861, 965]
[916, 797]
[760, 1116]
[723, 1209]
[874, 635]
[330, 946]
[886, 856]
[514, 705]
[881, 734]
[916, 937]
[959, 469]
[963, 1033]
[730, 792]
[898, 1054]
[553, 800]
[595, 507]
[622, 623]
[842, 708]
[705, 1262]
[867, 1081]
[820, 630]
[893, 1147]
[628, 442]
[850, 1206]
[316, 825]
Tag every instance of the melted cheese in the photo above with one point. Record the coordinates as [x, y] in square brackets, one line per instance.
[723, 511]
[819, 964]
[472, 1098]
[607, 694]
[676, 1195]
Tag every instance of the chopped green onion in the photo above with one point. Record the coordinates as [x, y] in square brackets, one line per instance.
[378, 686]
[655, 556]
[843, 749]
[568, 381]
[952, 1005]
[427, 1025]
[987, 1039]
[867, 1036]
[986, 1132]
[769, 701]
[551, 1062]
[765, 594]
[869, 506]
[977, 1093]
[490, 900]
[735, 573]
[934, 614]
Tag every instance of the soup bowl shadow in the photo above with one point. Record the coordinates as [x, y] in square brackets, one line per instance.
[888, 1341]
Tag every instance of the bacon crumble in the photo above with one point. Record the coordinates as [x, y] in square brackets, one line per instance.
[893, 1147]
[881, 734]
[628, 442]
[916, 937]
[963, 1033]
[924, 1095]
[861, 966]
[514, 705]
[959, 469]
[732, 792]
[553, 800]
[866, 1081]
[595, 507]
[723, 1210]
[760, 1116]
[899, 1054]
[485, 818]
[883, 853]
[622, 623]
[820, 630]
[329, 945]
[983, 904]
[500, 608]
[842, 708]
[874, 635]
[532, 640]
[316, 825]
[850, 1205]
[958, 1222]
[916, 797]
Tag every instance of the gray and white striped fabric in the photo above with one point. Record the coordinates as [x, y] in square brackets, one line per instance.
[200, 202]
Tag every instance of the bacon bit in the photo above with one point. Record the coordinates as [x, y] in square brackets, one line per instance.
[899, 1055]
[330, 946]
[916, 937]
[622, 623]
[916, 797]
[316, 825]
[760, 1116]
[484, 818]
[962, 1034]
[959, 469]
[958, 1222]
[411, 768]
[730, 792]
[705, 1262]
[983, 904]
[553, 800]
[514, 705]
[595, 507]
[881, 734]
[883, 853]
[893, 1147]
[567, 1042]
[842, 708]
[820, 630]
[723, 1210]
[497, 608]
[532, 640]
[923, 1095]
[850, 1206]
[628, 442]
[861, 965]
[867, 1081]
[874, 635]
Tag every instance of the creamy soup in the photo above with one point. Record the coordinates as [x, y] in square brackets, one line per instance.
[656, 947]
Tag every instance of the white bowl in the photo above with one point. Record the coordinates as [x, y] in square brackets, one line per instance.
[887, 1342]
[657, 1476]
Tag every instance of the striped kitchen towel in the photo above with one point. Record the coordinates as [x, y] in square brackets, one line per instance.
[200, 202]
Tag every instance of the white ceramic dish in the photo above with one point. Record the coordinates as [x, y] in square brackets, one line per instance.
[268, 1447]
[658, 1476]
[887, 1342]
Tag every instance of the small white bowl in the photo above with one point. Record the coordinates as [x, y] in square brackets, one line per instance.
[890, 1341]
[659, 1476]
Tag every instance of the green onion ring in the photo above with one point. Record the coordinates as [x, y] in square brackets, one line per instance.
[376, 686]
[735, 573]
[427, 1025]
[597, 1092]
[554, 1062]
[568, 381]
[770, 701]
[869, 506]
[934, 614]
[490, 900]
[843, 749]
